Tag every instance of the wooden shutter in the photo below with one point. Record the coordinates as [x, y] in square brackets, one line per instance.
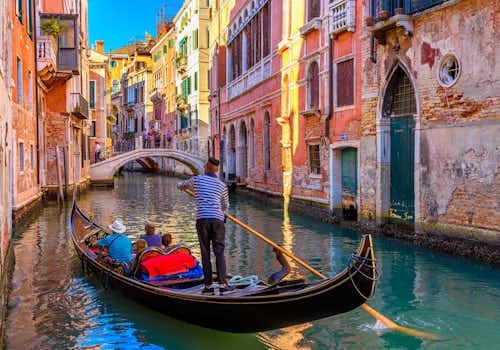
[345, 83]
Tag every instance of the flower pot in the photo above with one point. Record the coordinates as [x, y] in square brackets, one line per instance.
[399, 11]
[370, 21]
[384, 14]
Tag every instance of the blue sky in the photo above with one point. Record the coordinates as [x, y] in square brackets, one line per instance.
[118, 21]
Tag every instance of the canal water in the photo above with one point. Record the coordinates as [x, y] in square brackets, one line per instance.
[54, 306]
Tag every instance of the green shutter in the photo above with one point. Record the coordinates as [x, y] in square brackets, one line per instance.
[164, 48]
[196, 81]
[195, 39]
[170, 43]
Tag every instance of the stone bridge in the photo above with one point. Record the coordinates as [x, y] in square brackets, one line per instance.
[102, 172]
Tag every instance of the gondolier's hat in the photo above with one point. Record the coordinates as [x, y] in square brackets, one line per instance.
[118, 227]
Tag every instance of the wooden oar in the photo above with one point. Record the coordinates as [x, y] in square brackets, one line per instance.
[377, 315]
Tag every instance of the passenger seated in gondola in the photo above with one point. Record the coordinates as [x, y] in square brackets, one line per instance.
[153, 240]
[119, 246]
[166, 241]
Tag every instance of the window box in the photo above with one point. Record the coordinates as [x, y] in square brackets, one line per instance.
[311, 113]
[312, 25]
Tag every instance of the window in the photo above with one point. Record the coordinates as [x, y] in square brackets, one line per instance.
[449, 70]
[32, 157]
[19, 10]
[266, 30]
[313, 86]
[92, 94]
[314, 159]
[267, 142]
[114, 64]
[21, 156]
[116, 86]
[92, 129]
[195, 39]
[345, 83]
[67, 39]
[19, 81]
[30, 91]
[195, 81]
[164, 49]
[251, 144]
[29, 17]
[314, 9]
[170, 43]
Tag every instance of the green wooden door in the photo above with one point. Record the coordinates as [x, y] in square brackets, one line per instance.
[402, 168]
[349, 171]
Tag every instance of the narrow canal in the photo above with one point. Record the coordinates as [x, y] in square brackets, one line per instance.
[54, 306]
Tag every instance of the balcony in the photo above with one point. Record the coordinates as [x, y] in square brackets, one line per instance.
[258, 73]
[181, 102]
[47, 61]
[66, 47]
[79, 105]
[389, 14]
[155, 95]
[181, 63]
[342, 16]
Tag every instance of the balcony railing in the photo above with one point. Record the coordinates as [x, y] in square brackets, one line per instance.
[342, 16]
[249, 79]
[46, 52]
[181, 62]
[79, 105]
[382, 9]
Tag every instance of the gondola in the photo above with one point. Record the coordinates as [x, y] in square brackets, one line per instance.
[252, 308]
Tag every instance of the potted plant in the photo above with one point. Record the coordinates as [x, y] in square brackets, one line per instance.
[52, 27]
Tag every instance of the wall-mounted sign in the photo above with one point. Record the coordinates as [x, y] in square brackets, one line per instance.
[343, 136]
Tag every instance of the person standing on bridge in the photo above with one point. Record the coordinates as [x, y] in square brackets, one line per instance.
[212, 200]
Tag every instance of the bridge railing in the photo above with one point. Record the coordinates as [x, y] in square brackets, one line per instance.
[123, 146]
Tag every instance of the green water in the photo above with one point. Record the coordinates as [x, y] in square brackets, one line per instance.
[54, 306]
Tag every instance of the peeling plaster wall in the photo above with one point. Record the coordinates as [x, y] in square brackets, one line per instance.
[460, 177]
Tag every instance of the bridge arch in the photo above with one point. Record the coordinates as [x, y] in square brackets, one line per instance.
[104, 171]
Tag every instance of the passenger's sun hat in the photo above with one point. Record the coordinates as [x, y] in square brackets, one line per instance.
[118, 227]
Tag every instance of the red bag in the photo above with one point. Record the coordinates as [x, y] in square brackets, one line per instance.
[165, 265]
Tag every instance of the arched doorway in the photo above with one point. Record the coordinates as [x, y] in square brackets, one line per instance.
[231, 154]
[242, 150]
[399, 111]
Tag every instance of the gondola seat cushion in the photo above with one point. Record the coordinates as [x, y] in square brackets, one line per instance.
[165, 265]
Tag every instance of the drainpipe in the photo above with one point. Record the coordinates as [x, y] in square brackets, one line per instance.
[373, 54]
[330, 89]
[35, 80]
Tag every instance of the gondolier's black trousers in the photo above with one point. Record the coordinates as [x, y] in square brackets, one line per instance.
[212, 231]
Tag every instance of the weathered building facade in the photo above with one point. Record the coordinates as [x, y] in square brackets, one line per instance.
[25, 186]
[162, 90]
[64, 76]
[250, 100]
[6, 251]
[430, 116]
[101, 116]
[191, 47]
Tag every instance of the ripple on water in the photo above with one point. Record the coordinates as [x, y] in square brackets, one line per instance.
[53, 306]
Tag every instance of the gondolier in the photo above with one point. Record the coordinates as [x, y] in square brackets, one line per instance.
[212, 201]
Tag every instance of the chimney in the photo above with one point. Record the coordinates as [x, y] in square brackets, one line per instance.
[148, 37]
[99, 46]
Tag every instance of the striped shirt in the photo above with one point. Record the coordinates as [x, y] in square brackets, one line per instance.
[212, 199]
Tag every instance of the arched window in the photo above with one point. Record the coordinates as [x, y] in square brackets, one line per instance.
[313, 85]
[314, 9]
[251, 148]
[267, 141]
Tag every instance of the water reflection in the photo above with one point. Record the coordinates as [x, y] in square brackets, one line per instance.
[53, 305]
